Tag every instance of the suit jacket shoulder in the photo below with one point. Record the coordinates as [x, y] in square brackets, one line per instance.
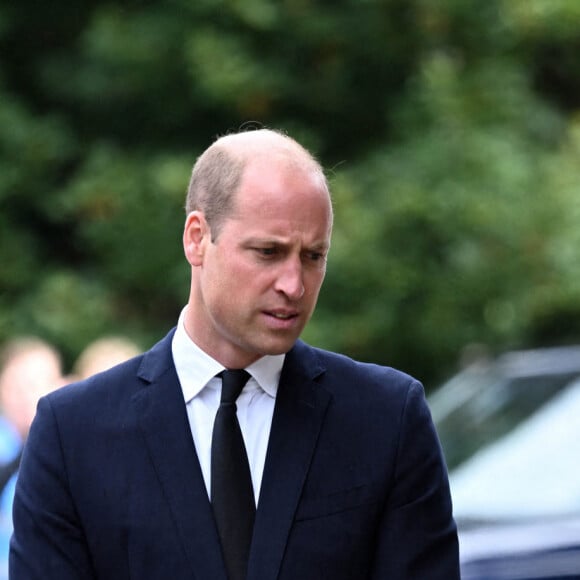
[348, 378]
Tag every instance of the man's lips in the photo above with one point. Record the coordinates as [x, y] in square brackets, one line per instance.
[282, 314]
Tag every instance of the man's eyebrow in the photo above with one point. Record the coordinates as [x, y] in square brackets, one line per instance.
[321, 245]
[266, 240]
[284, 242]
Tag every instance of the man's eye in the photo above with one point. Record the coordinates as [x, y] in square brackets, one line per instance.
[315, 256]
[266, 251]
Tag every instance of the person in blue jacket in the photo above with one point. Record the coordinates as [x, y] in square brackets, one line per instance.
[30, 367]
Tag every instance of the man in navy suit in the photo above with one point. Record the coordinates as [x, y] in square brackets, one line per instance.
[346, 468]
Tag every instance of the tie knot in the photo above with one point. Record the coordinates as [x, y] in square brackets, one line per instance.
[233, 381]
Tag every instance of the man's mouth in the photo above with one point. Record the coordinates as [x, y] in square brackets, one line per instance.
[282, 315]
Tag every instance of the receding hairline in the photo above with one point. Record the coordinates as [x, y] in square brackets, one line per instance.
[267, 143]
[219, 170]
[258, 139]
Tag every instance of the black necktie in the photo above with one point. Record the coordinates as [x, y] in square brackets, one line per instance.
[232, 495]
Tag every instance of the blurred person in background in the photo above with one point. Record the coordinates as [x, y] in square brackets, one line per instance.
[102, 354]
[29, 368]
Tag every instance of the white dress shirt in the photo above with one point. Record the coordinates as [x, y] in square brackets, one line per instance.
[197, 372]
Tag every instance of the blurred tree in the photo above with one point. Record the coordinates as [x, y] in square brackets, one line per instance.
[448, 233]
[448, 130]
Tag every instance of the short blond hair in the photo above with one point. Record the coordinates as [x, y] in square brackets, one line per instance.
[104, 353]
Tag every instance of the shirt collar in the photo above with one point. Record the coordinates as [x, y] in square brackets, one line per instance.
[195, 368]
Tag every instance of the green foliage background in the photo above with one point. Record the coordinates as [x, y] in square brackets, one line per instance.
[450, 131]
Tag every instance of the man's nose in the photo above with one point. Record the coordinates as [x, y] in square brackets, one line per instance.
[290, 278]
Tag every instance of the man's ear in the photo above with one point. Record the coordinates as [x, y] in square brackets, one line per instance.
[196, 234]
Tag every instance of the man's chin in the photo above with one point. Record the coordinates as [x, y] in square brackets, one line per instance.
[276, 347]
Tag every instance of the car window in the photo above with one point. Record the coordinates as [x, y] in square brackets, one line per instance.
[533, 472]
[486, 401]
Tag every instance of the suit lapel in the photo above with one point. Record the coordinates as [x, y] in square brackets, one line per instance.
[298, 416]
[163, 421]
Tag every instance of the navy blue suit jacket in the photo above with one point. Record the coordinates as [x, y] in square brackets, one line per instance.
[354, 485]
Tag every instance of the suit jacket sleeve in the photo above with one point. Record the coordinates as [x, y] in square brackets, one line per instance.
[48, 542]
[418, 537]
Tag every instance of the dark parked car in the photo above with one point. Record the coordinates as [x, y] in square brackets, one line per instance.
[511, 431]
